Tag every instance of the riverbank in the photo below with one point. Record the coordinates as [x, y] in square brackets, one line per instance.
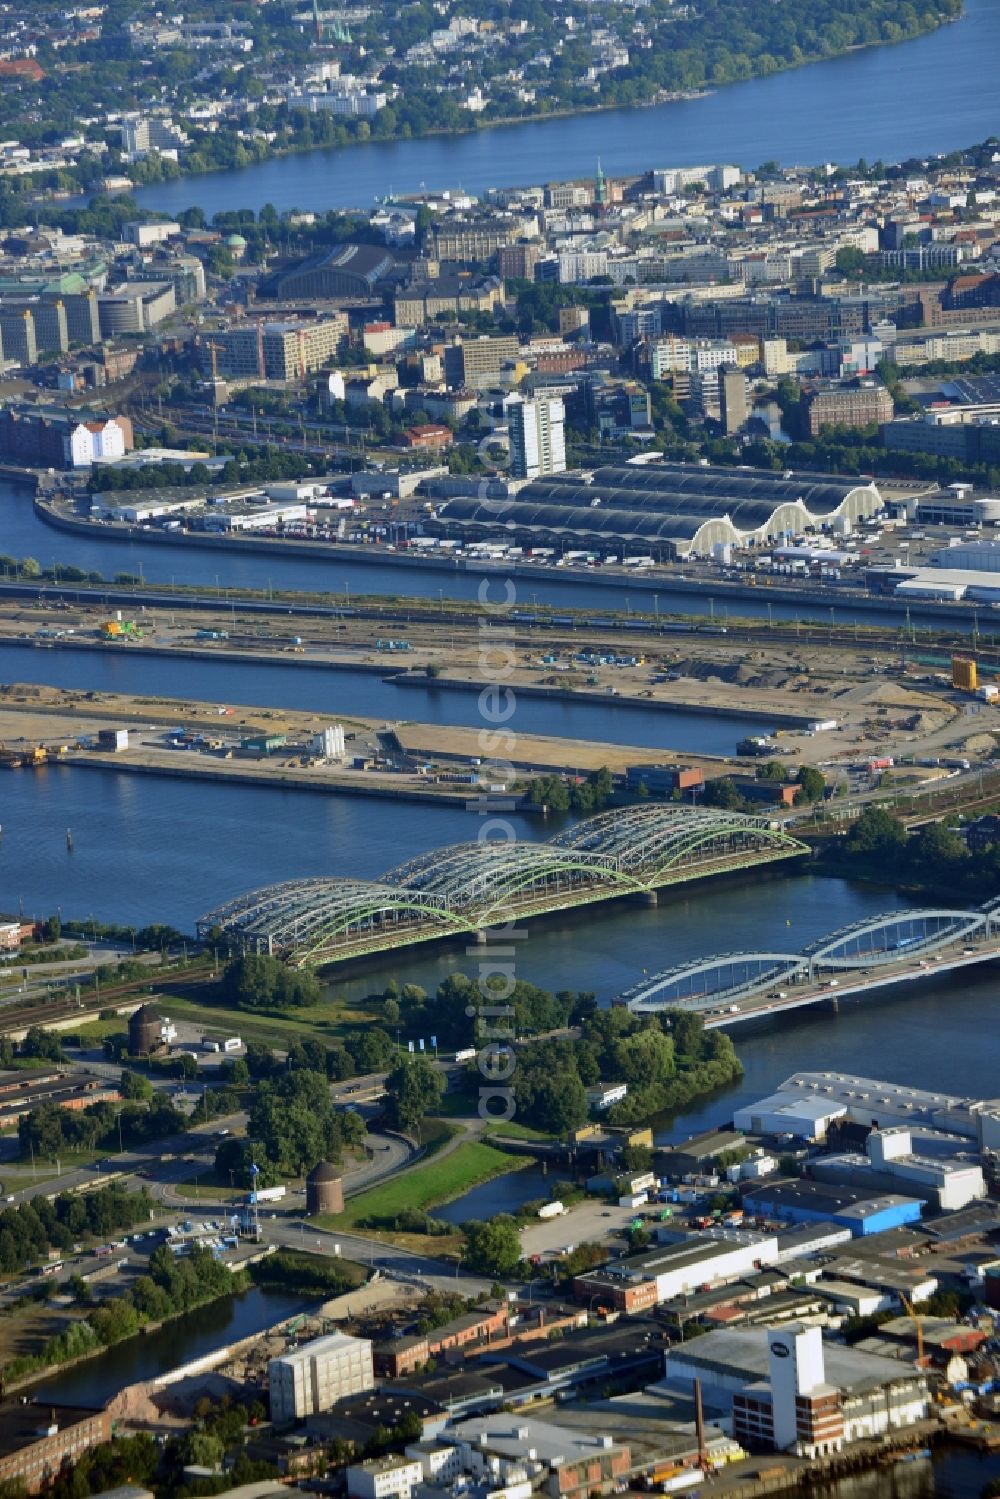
[448, 1175]
[648, 581]
[778, 1473]
[478, 127]
[43, 726]
[760, 67]
[732, 707]
[239, 1285]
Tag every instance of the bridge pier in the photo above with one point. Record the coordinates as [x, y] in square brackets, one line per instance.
[649, 898]
[480, 936]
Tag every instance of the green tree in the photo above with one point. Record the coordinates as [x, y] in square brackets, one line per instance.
[850, 262]
[876, 832]
[812, 784]
[415, 1089]
[492, 1246]
[258, 981]
[134, 1086]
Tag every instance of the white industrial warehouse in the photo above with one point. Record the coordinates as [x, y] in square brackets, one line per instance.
[665, 511]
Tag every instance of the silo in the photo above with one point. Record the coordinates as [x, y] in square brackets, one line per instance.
[324, 1190]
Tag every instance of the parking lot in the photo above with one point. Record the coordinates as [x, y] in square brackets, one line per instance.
[591, 1222]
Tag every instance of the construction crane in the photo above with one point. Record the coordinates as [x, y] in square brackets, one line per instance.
[918, 1323]
[213, 349]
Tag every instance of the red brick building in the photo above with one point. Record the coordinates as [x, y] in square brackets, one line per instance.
[37, 1442]
[428, 435]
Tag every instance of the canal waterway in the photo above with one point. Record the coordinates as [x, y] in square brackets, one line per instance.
[343, 693]
[23, 534]
[953, 1473]
[94, 1382]
[504, 1194]
[862, 104]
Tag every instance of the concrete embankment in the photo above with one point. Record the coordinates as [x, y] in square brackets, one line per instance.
[220, 657]
[644, 582]
[730, 709]
[282, 780]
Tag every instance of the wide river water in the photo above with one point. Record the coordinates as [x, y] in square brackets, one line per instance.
[933, 94]
[148, 849]
[23, 534]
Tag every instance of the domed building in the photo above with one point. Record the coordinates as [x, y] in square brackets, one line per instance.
[324, 1190]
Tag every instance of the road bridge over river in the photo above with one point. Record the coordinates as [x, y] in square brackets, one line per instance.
[871, 955]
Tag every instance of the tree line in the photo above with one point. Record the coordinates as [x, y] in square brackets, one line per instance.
[936, 856]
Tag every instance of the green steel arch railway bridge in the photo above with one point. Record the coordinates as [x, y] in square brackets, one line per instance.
[895, 948]
[470, 887]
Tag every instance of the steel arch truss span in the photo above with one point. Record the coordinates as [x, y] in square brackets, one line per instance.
[656, 845]
[878, 943]
[731, 976]
[888, 939]
[471, 886]
[309, 920]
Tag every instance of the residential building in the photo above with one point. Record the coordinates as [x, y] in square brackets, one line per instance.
[863, 405]
[518, 261]
[733, 397]
[318, 1374]
[142, 134]
[473, 363]
[537, 440]
[582, 265]
[667, 355]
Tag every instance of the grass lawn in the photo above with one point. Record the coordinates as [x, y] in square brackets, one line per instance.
[428, 1186]
[515, 1131]
[457, 1106]
[100, 1030]
[210, 1185]
[330, 1021]
[327, 1022]
[434, 1133]
[18, 1174]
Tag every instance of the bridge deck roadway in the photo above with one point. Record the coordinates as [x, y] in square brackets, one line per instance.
[962, 955]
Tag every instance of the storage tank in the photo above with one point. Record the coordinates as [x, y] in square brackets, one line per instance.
[144, 1031]
[324, 1190]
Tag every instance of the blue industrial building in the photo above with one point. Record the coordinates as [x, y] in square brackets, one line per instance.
[862, 1213]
